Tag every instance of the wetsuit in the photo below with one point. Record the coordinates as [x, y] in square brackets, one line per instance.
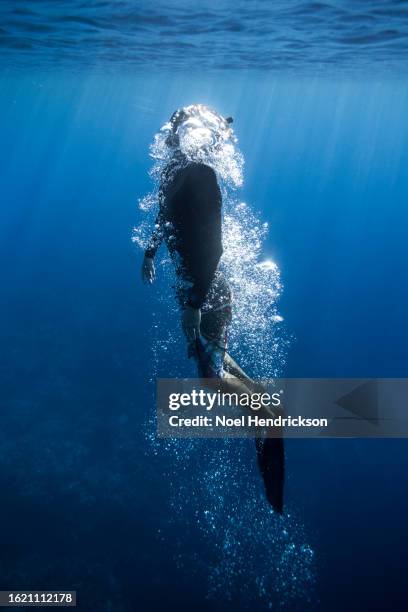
[189, 221]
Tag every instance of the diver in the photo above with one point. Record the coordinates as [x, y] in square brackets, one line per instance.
[189, 221]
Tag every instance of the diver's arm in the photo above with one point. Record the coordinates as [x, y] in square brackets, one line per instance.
[148, 269]
[156, 238]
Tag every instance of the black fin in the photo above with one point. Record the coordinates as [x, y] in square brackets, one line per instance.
[271, 463]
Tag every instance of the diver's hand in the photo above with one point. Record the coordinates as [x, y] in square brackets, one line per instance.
[148, 270]
[190, 322]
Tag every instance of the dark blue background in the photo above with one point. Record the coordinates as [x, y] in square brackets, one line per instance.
[81, 500]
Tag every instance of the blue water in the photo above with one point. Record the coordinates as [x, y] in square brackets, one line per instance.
[89, 499]
[288, 36]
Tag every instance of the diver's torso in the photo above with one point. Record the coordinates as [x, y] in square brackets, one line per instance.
[190, 207]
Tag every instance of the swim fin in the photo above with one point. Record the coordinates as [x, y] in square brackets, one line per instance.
[271, 462]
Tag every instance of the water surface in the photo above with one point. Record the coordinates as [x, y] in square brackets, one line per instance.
[289, 36]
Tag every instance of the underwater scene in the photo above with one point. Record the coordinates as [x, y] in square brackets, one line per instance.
[300, 111]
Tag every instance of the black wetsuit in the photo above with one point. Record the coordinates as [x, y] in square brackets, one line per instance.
[189, 221]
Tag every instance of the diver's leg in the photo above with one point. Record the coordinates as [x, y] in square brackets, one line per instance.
[214, 327]
[231, 366]
[233, 379]
[269, 450]
[214, 362]
[229, 384]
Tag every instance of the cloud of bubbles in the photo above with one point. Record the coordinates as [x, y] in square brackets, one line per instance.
[257, 558]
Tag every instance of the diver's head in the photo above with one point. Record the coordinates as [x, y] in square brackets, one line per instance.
[199, 134]
[197, 126]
